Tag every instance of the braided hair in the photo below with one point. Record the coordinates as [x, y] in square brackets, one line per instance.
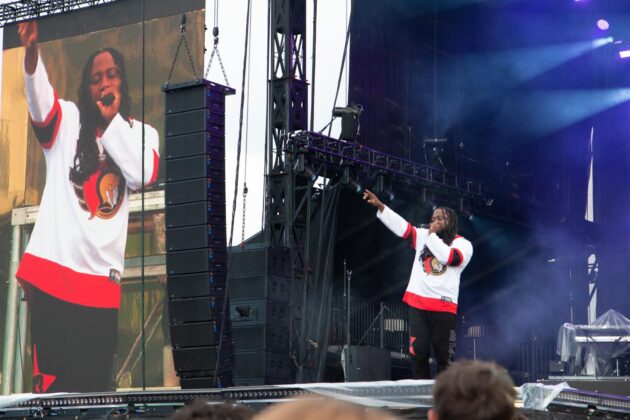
[86, 160]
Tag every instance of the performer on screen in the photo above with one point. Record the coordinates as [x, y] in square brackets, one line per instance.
[433, 289]
[72, 266]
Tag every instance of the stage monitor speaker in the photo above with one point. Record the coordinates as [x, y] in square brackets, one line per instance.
[365, 363]
[196, 254]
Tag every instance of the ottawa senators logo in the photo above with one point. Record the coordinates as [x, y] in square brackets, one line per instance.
[102, 193]
[432, 266]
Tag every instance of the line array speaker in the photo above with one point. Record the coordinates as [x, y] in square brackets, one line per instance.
[196, 257]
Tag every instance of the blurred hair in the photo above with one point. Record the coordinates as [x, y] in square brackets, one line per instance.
[474, 390]
[317, 407]
[201, 409]
[449, 233]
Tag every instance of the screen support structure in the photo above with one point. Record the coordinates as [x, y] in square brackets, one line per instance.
[17, 11]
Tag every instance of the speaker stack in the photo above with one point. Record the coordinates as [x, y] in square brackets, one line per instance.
[260, 298]
[196, 257]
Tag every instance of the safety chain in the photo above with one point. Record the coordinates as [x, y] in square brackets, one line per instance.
[245, 191]
[215, 50]
[182, 28]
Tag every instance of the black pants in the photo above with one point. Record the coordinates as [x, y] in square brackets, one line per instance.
[430, 329]
[73, 346]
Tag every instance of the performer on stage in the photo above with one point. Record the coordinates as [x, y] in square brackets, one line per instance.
[441, 256]
[72, 266]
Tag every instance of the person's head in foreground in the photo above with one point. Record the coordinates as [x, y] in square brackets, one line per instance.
[473, 390]
[202, 409]
[317, 407]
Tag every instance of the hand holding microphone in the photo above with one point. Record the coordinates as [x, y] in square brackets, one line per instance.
[108, 105]
[108, 99]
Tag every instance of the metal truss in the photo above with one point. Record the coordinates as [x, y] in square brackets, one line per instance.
[31, 9]
[339, 153]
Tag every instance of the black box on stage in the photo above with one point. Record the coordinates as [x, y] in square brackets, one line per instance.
[262, 364]
[195, 261]
[261, 338]
[193, 237]
[260, 260]
[364, 363]
[196, 257]
[199, 213]
[194, 285]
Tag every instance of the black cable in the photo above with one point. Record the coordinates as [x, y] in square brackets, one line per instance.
[240, 120]
[313, 64]
[142, 190]
[238, 158]
[343, 61]
[267, 124]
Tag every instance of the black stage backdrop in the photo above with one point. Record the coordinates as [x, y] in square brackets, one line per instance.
[516, 88]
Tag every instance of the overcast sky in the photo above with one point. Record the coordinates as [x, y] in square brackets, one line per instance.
[332, 16]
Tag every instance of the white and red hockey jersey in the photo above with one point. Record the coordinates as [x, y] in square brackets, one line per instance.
[434, 281]
[76, 252]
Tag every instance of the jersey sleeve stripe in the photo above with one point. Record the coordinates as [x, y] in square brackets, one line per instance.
[46, 131]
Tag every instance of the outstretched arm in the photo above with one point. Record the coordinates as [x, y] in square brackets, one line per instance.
[43, 105]
[394, 222]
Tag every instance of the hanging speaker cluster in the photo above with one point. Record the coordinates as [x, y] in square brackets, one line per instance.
[196, 257]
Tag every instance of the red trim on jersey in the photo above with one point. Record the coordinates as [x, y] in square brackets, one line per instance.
[55, 111]
[429, 304]
[68, 285]
[156, 165]
[414, 234]
[411, 349]
[451, 257]
[408, 231]
[40, 386]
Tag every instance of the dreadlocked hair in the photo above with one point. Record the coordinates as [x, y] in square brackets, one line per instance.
[447, 234]
[86, 160]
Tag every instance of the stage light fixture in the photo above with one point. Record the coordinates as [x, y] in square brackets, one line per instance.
[349, 121]
[624, 53]
[379, 187]
[389, 194]
[603, 24]
[356, 187]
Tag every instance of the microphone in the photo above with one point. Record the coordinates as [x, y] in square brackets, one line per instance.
[108, 99]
